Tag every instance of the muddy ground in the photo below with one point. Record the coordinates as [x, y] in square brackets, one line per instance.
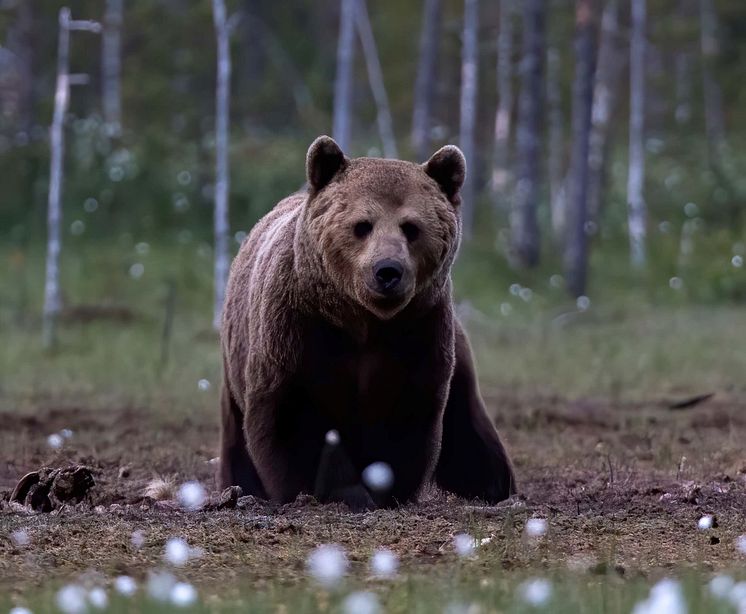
[622, 485]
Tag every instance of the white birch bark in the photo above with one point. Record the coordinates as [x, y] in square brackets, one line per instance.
[424, 88]
[636, 208]
[504, 80]
[375, 78]
[343, 82]
[111, 66]
[468, 107]
[222, 170]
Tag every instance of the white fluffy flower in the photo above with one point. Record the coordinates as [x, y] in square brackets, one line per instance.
[536, 591]
[98, 598]
[183, 595]
[720, 586]
[536, 527]
[192, 495]
[332, 437]
[137, 539]
[55, 441]
[177, 552]
[705, 523]
[384, 563]
[124, 585]
[741, 544]
[327, 564]
[20, 538]
[66, 433]
[666, 596]
[361, 602]
[71, 599]
[160, 584]
[464, 544]
[203, 385]
[20, 610]
[378, 476]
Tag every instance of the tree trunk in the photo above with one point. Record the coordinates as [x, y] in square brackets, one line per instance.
[21, 43]
[468, 106]
[343, 82]
[504, 80]
[52, 302]
[222, 169]
[683, 68]
[523, 223]
[713, 97]
[424, 87]
[636, 175]
[375, 78]
[111, 52]
[611, 62]
[556, 167]
[576, 249]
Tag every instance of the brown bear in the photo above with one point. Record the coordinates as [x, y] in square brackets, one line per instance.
[339, 315]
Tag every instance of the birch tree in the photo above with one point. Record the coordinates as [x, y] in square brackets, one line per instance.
[222, 170]
[576, 249]
[523, 224]
[468, 107]
[504, 80]
[52, 300]
[636, 209]
[611, 63]
[556, 166]
[424, 87]
[375, 78]
[343, 81]
[111, 62]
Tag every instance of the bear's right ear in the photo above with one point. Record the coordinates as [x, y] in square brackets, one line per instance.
[448, 167]
[323, 160]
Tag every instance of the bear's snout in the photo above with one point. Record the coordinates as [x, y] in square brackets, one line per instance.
[388, 273]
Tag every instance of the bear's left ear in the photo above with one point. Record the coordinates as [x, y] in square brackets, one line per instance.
[323, 160]
[448, 167]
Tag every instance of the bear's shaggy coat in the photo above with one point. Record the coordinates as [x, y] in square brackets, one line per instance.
[314, 338]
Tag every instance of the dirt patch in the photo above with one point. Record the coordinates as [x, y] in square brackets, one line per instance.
[622, 486]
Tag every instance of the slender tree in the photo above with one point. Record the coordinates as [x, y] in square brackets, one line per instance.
[375, 78]
[636, 208]
[713, 97]
[424, 87]
[611, 62]
[21, 44]
[222, 165]
[468, 106]
[111, 66]
[523, 223]
[52, 300]
[504, 80]
[343, 82]
[576, 248]
[556, 165]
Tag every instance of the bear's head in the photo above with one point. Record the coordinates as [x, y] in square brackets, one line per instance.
[383, 231]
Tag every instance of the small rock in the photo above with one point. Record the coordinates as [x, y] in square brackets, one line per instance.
[229, 498]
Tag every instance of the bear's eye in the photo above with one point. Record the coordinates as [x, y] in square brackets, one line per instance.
[362, 229]
[410, 231]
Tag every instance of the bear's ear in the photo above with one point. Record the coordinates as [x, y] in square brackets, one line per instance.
[448, 167]
[323, 160]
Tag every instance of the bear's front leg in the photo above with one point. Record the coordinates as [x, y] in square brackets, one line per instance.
[473, 462]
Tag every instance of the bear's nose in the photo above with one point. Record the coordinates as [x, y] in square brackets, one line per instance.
[388, 274]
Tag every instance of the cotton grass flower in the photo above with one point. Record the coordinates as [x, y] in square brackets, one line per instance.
[159, 585]
[192, 496]
[327, 564]
[55, 441]
[741, 544]
[666, 597]
[98, 598]
[183, 595]
[66, 433]
[379, 477]
[737, 596]
[125, 586]
[536, 591]
[720, 586]
[177, 552]
[384, 563]
[20, 538]
[71, 599]
[137, 539]
[361, 602]
[705, 523]
[464, 544]
[20, 610]
[536, 527]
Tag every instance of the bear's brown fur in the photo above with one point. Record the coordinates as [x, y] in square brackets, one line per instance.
[339, 315]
